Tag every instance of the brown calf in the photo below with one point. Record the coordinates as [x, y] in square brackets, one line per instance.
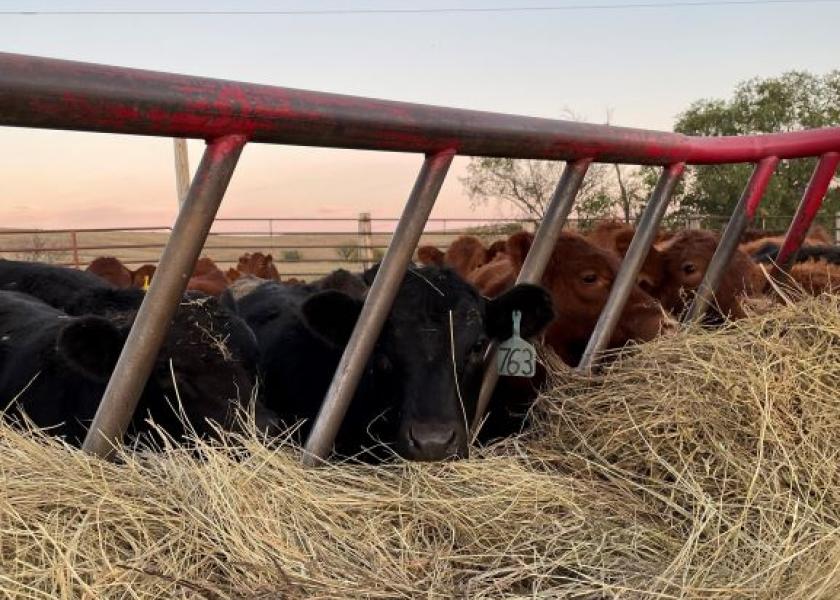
[685, 260]
[817, 235]
[142, 276]
[429, 256]
[579, 277]
[207, 278]
[496, 249]
[256, 264]
[111, 270]
[615, 236]
[816, 277]
[465, 254]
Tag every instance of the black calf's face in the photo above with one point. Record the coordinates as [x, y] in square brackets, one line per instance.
[213, 355]
[438, 339]
[434, 345]
[437, 342]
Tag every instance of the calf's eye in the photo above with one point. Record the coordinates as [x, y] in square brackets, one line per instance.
[480, 346]
[689, 268]
[589, 278]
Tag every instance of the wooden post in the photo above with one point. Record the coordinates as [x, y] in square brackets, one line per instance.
[182, 169]
[837, 227]
[74, 243]
[365, 241]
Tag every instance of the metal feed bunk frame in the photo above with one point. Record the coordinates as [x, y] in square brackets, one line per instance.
[55, 94]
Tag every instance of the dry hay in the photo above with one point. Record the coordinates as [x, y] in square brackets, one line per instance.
[703, 465]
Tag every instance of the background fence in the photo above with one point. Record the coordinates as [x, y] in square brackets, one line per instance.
[305, 248]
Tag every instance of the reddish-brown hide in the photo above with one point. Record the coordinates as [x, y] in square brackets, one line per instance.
[615, 236]
[430, 256]
[111, 270]
[256, 264]
[143, 275]
[686, 258]
[816, 277]
[207, 278]
[465, 254]
[579, 276]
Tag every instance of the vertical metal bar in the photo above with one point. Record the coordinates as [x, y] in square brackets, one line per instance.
[377, 305]
[741, 218]
[632, 264]
[536, 262]
[167, 287]
[812, 199]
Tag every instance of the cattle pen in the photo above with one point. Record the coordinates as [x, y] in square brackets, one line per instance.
[55, 94]
[307, 248]
[697, 465]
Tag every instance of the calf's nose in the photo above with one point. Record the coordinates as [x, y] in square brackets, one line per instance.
[433, 441]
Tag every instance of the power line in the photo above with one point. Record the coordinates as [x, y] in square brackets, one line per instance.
[414, 11]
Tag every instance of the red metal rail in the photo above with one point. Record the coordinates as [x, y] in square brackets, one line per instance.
[57, 94]
[54, 94]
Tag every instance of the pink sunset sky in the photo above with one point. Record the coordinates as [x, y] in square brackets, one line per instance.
[644, 64]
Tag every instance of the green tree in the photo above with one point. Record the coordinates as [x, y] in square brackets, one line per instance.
[793, 101]
[527, 186]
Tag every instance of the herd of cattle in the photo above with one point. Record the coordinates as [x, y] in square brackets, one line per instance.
[247, 340]
[582, 268]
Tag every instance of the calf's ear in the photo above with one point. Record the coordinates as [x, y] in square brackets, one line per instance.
[531, 300]
[332, 315]
[90, 345]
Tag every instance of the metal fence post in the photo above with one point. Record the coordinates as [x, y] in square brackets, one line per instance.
[377, 305]
[742, 216]
[632, 263]
[167, 287]
[812, 199]
[536, 262]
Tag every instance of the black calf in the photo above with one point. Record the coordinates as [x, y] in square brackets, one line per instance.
[769, 251]
[54, 368]
[420, 388]
[212, 352]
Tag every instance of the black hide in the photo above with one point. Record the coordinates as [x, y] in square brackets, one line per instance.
[211, 351]
[420, 387]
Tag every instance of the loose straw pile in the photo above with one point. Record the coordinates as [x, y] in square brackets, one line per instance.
[702, 465]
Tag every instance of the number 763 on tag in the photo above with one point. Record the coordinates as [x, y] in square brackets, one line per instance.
[516, 360]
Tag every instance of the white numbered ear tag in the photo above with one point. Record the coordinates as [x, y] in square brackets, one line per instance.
[516, 357]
